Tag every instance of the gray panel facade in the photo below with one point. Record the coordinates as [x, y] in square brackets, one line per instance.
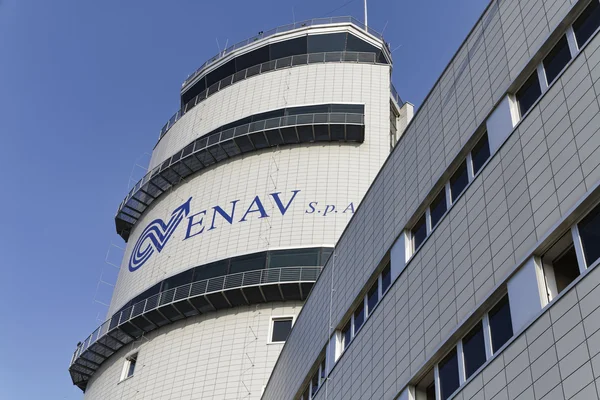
[542, 179]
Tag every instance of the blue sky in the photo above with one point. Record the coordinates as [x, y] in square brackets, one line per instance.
[85, 87]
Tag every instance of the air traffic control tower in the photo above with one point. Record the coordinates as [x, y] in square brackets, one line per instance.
[250, 185]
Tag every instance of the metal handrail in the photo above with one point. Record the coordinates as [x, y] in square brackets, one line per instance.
[282, 29]
[199, 288]
[285, 62]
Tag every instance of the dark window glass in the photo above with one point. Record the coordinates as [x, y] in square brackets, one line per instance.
[448, 375]
[500, 324]
[480, 154]
[348, 108]
[281, 329]
[294, 258]
[529, 93]
[359, 317]
[288, 48]
[386, 278]
[346, 335]
[474, 350]
[557, 59]
[250, 262]
[459, 181]
[438, 208]
[355, 44]
[587, 23]
[325, 255]
[566, 269]
[314, 385]
[211, 270]
[322, 372]
[372, 297]
[252, 58]
[326, 43]
[419, 232]
[178, 280]
[589, 231]
[430, 392]
[132, 360]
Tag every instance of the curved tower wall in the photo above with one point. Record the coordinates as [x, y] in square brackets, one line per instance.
[325, 174]
[284, 197]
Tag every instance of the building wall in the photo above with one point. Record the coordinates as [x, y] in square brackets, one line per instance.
[328, 174]
[220, 355]
[550, 162]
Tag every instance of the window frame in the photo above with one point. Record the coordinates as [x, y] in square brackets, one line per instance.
[272, 321]
[130, 359]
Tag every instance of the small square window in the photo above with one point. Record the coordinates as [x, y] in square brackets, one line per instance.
[480, 154]
[438, 208]
[386, 278]
[557, 59]
[500, 324]
[419, 233]
[281, 329]
[459, 181]
[529, 93]
[587, 23]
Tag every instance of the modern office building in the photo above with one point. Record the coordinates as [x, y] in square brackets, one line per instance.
[249, 187]
[470, 268]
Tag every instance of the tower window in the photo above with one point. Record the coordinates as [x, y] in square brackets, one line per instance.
[129, 366]
[281, 329]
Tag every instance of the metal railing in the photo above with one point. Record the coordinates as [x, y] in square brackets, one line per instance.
[282, 29]
[286, 62]
[199, 288]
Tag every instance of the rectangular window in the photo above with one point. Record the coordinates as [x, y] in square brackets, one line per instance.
[425, 390]
[529, 93]
[589, 232]
[322, 373]
[480, 154]
[281, 329]
[386, 278]
[560, 266]
[129, 366]
[438, 208]
[587, 23]
[474, 350]
[459, 181]
[557, 59]
[500, 324]
[346, 335]
[314, 385]
[359, 317]
[448, 370]
[419, 233]
[372, 297]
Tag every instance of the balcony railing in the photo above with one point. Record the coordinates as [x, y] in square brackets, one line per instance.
[291, 283]
[282, 29]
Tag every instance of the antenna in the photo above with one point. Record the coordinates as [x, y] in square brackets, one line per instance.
[366, 22]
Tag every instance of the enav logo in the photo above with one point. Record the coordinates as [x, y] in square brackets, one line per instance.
[156, 235]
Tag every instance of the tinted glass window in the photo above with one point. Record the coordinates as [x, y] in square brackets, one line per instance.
[419, 233]
[248, 263]
[386, 278]
[294, 258]
[587, 23]
[480, 154]
[459, 181]
[355, 44]
[326, 43]
[500, 324]
[346, 334]
[314, 384]
[359, 317]
[325, 255]
[448, 375]
[252, 58]
[557, 59]
[211, 270]
[372, 297]
[281, 329]
[529, 93]
[348, 108]
[438, 208]
[589, 230]
[288, 48]
[132, 361]
[178, 280]
[474, 350]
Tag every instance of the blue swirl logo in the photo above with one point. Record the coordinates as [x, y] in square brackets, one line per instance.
[156, 235]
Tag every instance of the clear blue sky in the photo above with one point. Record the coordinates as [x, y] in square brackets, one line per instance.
[85, 87]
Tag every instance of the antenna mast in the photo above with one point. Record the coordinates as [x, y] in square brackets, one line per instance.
[366, 23]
